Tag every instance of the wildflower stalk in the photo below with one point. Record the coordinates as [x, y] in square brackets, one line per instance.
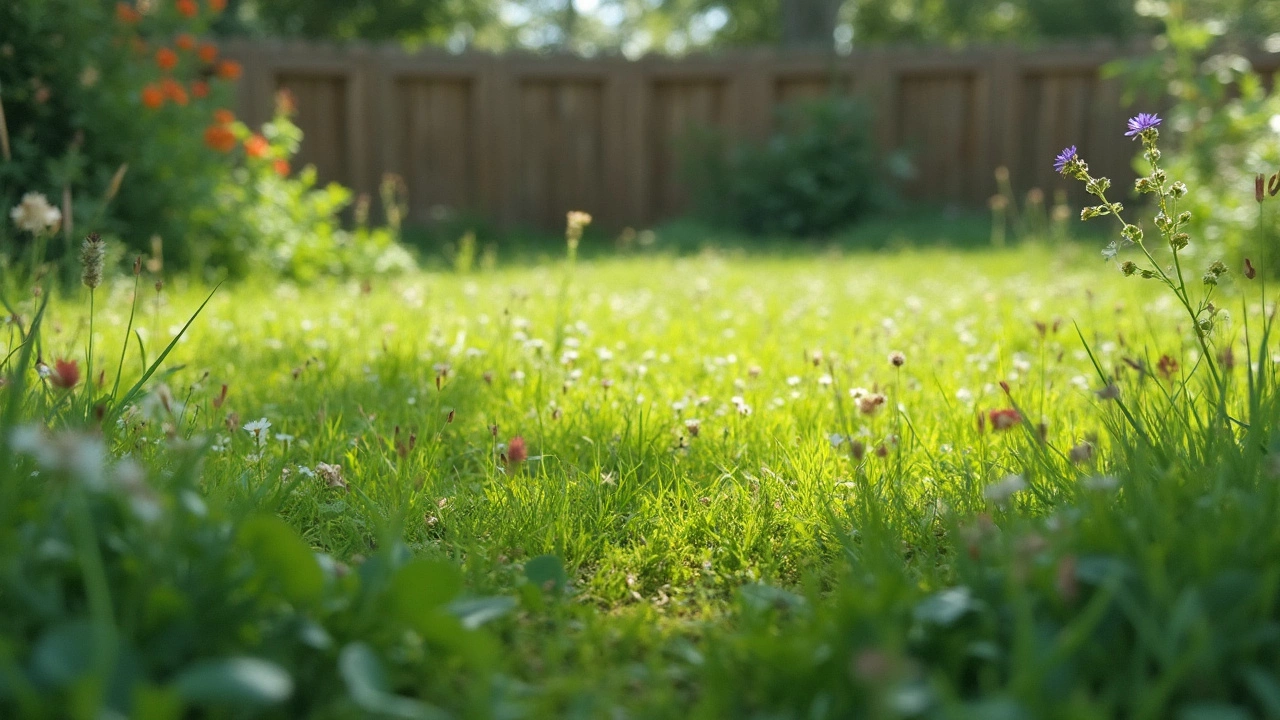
[1167, 221]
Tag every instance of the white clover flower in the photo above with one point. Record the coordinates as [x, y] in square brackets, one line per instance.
[1000, 492]
[34, 214]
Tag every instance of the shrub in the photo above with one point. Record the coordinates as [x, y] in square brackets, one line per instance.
[263, 215]
[90, 87]
[818, 172]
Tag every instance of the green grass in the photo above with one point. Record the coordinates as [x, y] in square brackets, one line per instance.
[757, 568]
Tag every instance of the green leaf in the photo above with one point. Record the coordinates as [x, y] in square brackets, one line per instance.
[244, 682]
[282, 557]
[547, 572]
[423, 585]
[946, 607]
[369, 688]
[477, 612]
[1213, 711]
[64, 653]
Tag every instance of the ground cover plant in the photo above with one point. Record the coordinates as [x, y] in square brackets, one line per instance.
[1035, 482]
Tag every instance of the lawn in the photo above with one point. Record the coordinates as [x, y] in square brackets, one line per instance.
[774, 485]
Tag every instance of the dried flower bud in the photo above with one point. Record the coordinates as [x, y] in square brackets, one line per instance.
[1178, 190]
[1249, 271]
[1273, 185]
[1179, 240]
[1128, 267]
[1148, 274]
[1259, 187]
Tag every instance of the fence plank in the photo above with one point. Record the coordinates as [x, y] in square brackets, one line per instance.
[522, 138]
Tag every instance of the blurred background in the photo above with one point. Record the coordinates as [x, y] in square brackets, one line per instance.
[321, 137]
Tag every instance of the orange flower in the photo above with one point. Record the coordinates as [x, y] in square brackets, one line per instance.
[220, 138]
[229, 70]
[173, 90]
[127, 14]
[222, 116]
[200, 89]
[217, 5]
[185, 42]
[152, 96]
[65, 375]
[257, 146]
[188, 8]
[166, 59]
[281, 167]
[208, 53]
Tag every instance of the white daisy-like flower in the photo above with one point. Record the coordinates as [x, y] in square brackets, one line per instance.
[34, 214]
[258, 429]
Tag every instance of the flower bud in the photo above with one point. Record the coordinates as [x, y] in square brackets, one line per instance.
[1259, 187]
[1184, 217]
[1128, 267]
[1273, 185]
[1179, 240]
[1178, 190]
[1133, 233]
[1249, 270]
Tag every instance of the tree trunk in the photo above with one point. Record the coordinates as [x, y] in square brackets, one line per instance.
[809, 24]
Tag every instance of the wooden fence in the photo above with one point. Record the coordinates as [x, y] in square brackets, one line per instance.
[521, 139]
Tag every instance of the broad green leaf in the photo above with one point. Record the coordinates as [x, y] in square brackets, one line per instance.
[423, 585]
[64, 653]
[547, 572]
[476, 612]
[244, 682]
[369, 688]
[282, 557]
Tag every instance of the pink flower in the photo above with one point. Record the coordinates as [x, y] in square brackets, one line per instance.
[516, 451]
[1004, 418]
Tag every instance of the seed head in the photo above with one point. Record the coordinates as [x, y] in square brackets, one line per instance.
[93, 255]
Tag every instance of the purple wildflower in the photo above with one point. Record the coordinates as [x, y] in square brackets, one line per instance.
[1064, 157]
[1141, 123]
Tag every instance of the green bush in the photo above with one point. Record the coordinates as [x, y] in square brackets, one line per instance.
[262, 215]
[818, 172]
[90, 87]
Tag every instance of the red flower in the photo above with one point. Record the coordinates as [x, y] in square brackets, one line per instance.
[65, 374]
[229, 70]
[220, 138]
[166, 59]
[208, 52]
[281, 167]
[1004, 419]
[185, 42]
[516, 451]
[257, 146]
[217, 5]
[200, 89]
[152, 96]
[188, 8]
[223, 116]
[174, 91]
[127, 13]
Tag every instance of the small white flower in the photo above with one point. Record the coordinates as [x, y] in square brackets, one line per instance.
[1000, 492]
[258, 429]
[34, 214]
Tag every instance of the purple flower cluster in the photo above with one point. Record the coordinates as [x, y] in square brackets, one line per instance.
[1137, 125]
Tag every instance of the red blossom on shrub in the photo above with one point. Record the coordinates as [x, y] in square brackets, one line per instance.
[217, 6]
[166, 59]
[1004, 418]
[174, 91]
[220, 138]
[229, 70]
[223, 116]
[127, 13]
[200, 89]
[152, 96]
[65, 374]
[185, 42]
[281, 167]
[187, 8]
[257, 146]
[208, 52]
